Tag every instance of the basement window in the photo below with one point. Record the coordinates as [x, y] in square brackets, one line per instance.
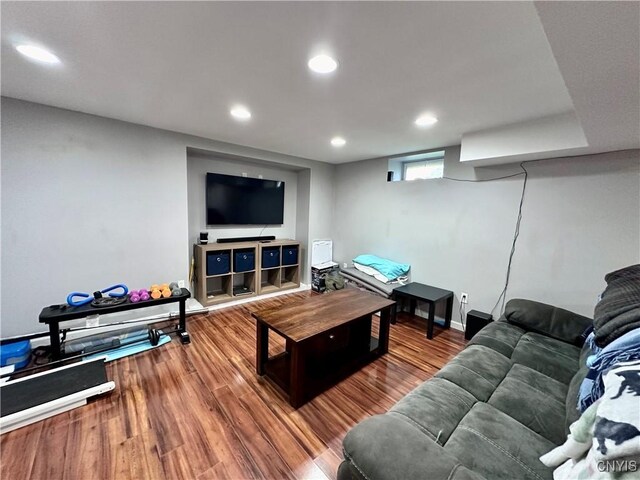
[422, 166]
[423, 170]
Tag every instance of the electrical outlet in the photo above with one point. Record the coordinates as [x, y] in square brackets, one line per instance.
[244, 174]
[260, 177]
[464, 298]
[181, 284]
[344, 265]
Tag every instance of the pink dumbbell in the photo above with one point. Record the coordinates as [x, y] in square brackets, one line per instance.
[139, 296]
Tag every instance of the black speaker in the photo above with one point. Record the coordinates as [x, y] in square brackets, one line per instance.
[475, 322]
[263, 238]
[204, 238]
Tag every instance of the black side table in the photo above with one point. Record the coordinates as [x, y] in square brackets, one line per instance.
[415, 291]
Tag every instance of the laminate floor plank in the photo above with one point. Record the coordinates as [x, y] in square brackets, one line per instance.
[89, 452]
[53, 440]
[176, 463]
[299, 429]
[143, 457]
[328, 462]
[19, 450]
[224, 439]
[293, 454]
[200, 411]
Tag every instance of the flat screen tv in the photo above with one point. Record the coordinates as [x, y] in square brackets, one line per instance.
[235, 200]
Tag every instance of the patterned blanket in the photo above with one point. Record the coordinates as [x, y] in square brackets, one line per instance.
[604, 442]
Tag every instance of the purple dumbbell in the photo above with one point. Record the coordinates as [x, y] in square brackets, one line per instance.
[134, 297]
[144, 295]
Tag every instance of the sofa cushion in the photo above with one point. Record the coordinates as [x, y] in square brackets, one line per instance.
[435, 407]
[477, 369]
[386, 447]
[571, 402]
[500, 336]
[534, 400]
[556, 359]
[496, 446]
[546, 319]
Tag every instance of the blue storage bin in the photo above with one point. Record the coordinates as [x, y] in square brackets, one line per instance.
[289, 255]
[244, 260]
[270, 257]
[218, 263]
[16, 353]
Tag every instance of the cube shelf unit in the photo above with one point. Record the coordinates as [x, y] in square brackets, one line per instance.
[216, 285]
[285, 274]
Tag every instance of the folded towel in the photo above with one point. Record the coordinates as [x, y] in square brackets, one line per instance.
[371, 272]
[390, 269]
[618, 311]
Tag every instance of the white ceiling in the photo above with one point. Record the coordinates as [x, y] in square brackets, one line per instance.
[181, 66]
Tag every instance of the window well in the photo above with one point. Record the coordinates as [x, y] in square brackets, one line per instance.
[421, 166]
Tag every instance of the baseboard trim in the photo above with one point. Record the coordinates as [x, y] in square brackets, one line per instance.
[303, 287]
[457, 326]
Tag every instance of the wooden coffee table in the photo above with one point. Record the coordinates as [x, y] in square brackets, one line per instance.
[328, 337]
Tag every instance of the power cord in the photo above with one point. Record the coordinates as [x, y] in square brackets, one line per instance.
[485, 179]
[462, 312]
[260, 234]
[503, 294]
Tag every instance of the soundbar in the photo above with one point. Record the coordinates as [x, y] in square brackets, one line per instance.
[246, 239]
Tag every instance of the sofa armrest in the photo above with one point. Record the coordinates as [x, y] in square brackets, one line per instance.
[548, 320]
[384, 447]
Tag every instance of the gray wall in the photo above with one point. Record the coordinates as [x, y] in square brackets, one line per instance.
[199, 165]
[89, 201]
[322, 208]
[580, 220]
[302, 222]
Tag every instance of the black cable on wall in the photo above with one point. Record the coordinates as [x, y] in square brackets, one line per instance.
[503, 294]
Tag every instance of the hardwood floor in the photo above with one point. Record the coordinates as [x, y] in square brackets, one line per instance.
[200, 411]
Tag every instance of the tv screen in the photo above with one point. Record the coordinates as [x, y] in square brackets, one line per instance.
[235, 200]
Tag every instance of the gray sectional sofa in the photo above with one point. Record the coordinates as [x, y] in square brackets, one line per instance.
[490, 413]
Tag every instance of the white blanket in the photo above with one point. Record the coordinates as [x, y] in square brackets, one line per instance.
[372, 271]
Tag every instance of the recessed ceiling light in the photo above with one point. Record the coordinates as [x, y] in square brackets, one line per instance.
[322, 64]
[426, 120]
[241, 113]
[37, 53]
[338, 141]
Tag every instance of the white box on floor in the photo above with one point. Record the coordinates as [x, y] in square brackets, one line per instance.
[321, 263]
